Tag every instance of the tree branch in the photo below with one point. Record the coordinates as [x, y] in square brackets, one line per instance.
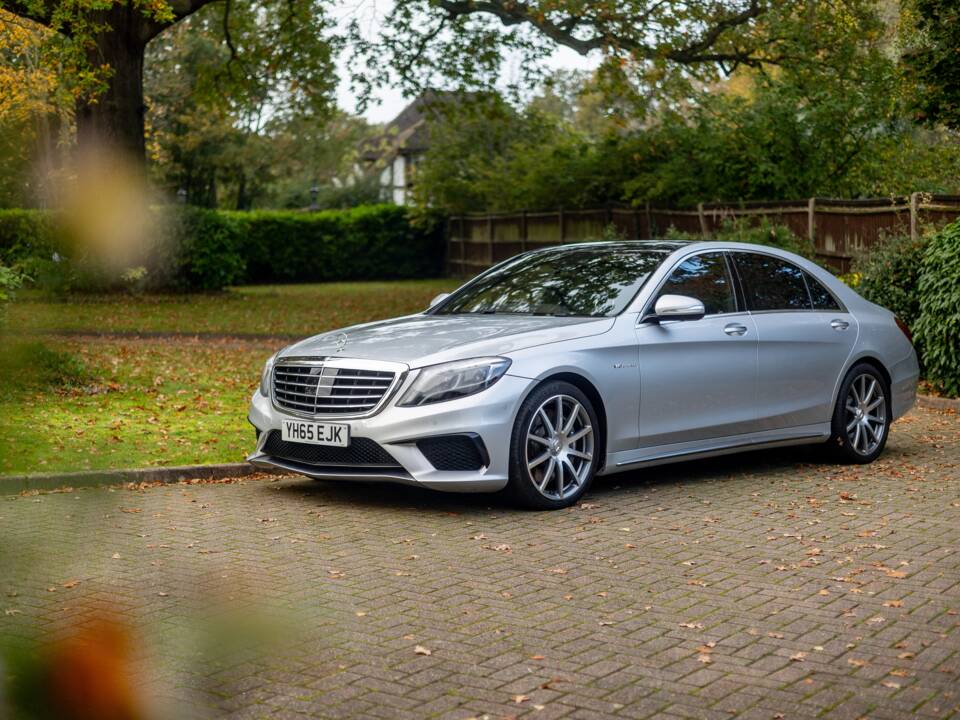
[562, 31]
[38, 13]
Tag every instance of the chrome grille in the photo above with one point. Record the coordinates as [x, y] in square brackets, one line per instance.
[319, 389]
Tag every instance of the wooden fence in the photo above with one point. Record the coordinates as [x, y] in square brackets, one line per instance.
[839, 229]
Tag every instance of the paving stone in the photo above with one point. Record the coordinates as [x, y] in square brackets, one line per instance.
[741, 587]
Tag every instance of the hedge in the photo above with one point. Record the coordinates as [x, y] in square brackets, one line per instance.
[938, 329]
[919, 280]
[209, 250]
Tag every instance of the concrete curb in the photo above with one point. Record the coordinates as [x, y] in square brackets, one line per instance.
[938, 403]
[13, 484]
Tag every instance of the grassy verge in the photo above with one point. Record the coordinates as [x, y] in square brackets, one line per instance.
[125, 403]
[261, 309]
[142, 403]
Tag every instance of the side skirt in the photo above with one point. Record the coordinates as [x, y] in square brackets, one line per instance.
[648, 457]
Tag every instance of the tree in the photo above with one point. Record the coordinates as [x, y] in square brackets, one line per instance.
[264, 141]
[101, 44]
[931, 59]
[463, 41]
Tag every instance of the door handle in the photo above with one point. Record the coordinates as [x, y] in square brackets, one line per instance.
[839, 324]
[735, 329]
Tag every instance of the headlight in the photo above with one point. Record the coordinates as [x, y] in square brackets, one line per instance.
[453, 380]
[265, 376]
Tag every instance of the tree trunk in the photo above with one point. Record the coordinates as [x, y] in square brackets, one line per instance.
[115, 119]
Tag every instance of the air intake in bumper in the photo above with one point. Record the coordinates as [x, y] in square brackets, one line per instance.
[455, 452]
[361, 453]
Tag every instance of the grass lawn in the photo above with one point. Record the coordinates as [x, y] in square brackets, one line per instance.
[259, 309]
[149, 402]
[170, 401]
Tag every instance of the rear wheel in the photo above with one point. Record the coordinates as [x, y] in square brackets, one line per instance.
[861, 419]
[553, 450]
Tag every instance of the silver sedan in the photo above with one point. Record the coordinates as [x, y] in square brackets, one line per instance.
[565, 363]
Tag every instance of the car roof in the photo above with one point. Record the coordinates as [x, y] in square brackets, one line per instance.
[664, 246]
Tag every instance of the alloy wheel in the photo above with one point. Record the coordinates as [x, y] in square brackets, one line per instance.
[559, 447]
[866, 414]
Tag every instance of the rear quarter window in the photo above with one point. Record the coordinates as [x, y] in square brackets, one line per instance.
[822, 298]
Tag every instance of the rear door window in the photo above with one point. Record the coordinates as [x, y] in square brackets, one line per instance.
[770, 283]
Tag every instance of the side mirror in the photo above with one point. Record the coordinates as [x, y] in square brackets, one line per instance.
[677, 307]
[438, 299]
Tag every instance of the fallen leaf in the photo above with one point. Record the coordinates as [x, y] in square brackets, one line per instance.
[798, 657]
[71, 584]
[520, 698]
[705, 658]
[421, 650]
[890, 684]
[857, 663]
[692, 626]
[893, 603]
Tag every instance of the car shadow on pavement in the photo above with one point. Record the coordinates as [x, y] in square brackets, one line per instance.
[386, 495]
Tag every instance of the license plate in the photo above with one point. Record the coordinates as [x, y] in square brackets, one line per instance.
[315, 433]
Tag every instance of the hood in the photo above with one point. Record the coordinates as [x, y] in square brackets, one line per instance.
[419, 340]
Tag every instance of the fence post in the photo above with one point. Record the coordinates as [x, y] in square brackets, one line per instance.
[650, 231]
[812, 220]
[561, 222]
[914, 209]
[703, 219]
[463, 248]
[523, 231]
[490, 238]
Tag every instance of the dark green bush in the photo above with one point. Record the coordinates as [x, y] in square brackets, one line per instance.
[938, 327]
[27, 234]
[206, 251]
[889, 275]
[372, 242]
[209, 250]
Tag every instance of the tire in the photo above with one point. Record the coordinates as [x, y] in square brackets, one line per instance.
[862, 416]
[550, 470]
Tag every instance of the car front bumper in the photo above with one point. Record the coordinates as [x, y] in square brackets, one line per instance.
[489, 414]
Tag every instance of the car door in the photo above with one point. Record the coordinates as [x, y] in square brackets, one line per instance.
[698, 377]
[805, 337]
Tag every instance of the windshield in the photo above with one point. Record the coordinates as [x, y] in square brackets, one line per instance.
[572, 281]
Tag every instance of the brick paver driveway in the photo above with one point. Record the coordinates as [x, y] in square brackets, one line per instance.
[752, 586]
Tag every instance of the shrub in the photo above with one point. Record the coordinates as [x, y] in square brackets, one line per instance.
[758, 232]
[27, 234]
[206, 250]
[10, 280]
[889, 275]
[372, 242]
[938, 327]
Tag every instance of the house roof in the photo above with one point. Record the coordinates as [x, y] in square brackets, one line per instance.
[409, 132]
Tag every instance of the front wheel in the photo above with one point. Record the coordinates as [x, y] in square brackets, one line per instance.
[554, 447]
[861, 419]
